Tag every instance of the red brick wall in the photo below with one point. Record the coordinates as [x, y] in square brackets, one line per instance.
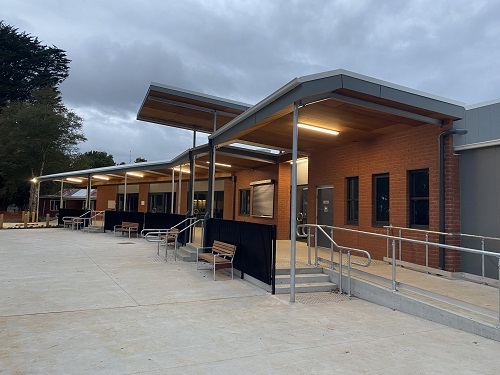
[105, 193]
[452, 204]
[143, 197]
[229, 199]
[396, 154]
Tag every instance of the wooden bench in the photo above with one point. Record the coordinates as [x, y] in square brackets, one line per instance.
[127, 227]
[221, 256]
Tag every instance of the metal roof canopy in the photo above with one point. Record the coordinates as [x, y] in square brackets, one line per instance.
[238, 158]
[357, 106]
[173, 106]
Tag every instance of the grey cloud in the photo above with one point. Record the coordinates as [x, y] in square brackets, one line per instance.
[244, 50]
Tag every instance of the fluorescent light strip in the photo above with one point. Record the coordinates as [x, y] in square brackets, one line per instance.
[315, 128]
[103, 178]
[135, 174]
[221, 164]
[77, 180]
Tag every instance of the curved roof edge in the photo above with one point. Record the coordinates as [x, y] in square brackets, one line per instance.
[350, 80]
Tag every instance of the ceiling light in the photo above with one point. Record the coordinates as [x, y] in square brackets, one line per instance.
[34, 180]
[315, 128]
[221, 164]
[77, 180]
[97, 177]
[135, 174]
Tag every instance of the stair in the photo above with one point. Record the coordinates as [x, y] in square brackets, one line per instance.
[187, 253]
[307, 280]
[94, 229]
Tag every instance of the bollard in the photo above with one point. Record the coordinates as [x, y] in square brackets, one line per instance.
[33, 217]
[1, 221]
[26, 216]
[47, 220]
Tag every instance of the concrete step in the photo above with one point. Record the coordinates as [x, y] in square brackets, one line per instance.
[95, 229]
[187, 253]
[306, 287]
[303, 278]
[300, 270]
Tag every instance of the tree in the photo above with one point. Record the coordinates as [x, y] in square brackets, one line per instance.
[38, 137]
[26, 65]
[139, 160]
[92, 159]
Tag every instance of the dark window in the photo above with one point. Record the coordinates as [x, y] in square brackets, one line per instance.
[54, 205]
[419, 197]
[381, 199]
[245, 202]
[352, 200]
[132, 202]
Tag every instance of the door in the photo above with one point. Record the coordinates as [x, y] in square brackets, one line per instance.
[301, 208]
[324, 212]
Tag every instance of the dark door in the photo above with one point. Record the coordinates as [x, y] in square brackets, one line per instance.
[324, 212]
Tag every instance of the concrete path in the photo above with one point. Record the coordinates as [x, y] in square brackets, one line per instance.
[74, 303]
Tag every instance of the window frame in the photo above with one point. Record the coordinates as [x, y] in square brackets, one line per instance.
[413, 199]
[375, 178]
[245, 206]
[352, 203]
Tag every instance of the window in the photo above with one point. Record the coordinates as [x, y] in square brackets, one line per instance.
[352, 200]
[54, 205]
[381, 199]
[419, 197]
[245, 202]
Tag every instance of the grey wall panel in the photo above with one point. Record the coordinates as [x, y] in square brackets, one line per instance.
[484, 121]
[480, 205]
[495, 121]
[472, 125]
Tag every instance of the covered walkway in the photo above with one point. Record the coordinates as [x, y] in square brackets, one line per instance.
[79, 303]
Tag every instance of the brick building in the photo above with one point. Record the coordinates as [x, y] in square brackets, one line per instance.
[375, 154]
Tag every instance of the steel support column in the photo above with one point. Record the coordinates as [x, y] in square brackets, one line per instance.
[125, 193]
[89, 186]
[211, 179]
[179, 190]
[293, 211]
[173, 192]
[191, 183]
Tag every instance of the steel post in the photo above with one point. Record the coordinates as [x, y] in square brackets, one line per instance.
[293, 213]
[393, 266]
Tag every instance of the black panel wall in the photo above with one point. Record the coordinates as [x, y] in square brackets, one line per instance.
[255, 245]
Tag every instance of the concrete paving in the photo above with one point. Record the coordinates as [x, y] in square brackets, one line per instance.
[75, 303]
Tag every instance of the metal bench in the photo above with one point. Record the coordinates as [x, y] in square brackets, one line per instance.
[127, 227]
[220, 255]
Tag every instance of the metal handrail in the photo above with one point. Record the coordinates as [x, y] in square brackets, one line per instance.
[72, 218]
[366, 264]
[154, 235]
[334, 244]
[401, 239]
[427, 232]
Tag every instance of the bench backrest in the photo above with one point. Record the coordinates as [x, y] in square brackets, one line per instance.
[224, 248]
[128, 224]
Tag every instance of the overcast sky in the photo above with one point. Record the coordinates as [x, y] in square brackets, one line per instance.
[245, 50]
